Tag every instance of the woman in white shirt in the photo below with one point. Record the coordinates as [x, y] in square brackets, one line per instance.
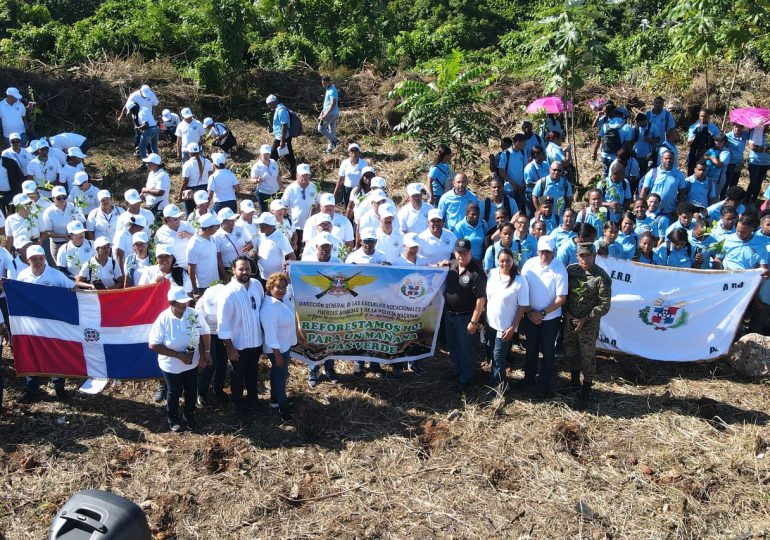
[180, 336]
[101, 270]
[350, 172]
[280, 335]
[140, 258]
[155, 192]
[264, 173]
[73, 254]
[222, 184]
[507, 300]
[195, 176]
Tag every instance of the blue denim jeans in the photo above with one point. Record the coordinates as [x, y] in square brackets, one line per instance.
[541, 337]
[149, 137]
[177, 384]
[462, 347]
[232, 205]
[278, 378]
[328, 127]
[500, 359]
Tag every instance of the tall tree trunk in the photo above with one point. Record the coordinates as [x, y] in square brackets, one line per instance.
[732, 86]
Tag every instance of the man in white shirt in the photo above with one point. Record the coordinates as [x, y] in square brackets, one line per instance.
[324, 229]
[103, 220]
[341, 226]
[217, 370]
[123, 241]
[222, 184]
[547, 281]
[436, 242]
[75, 253]
[84, 195]
[65, 141]
[299, 197]
[14, 162]
[189, 130]
[264, 173]
[133, 208]
[411, 254]
[73, 165]
[240, 331]
[43, 169]
[148, 132]
[274, 249]
[367, 253]
[155, 191]
[413, 216]
[12, 116]
[175, 234]
[389, 239]
[202, 260]
[170, 122]
[53, 224]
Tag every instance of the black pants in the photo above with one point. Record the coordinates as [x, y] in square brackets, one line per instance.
[181, 383]
[189, 204]
[289, 157]
[733, 175]
[216, 371]
[757, 175]
[227, 144]
[245, 375]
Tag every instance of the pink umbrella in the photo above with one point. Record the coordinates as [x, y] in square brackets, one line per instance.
[750, 117]
[549, 104]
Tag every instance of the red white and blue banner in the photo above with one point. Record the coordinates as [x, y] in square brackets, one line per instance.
[674, 314]
[97, 334]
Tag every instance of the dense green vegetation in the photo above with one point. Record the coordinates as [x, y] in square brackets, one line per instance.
[214, 40]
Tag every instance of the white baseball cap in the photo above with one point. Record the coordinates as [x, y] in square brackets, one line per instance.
[384, 212]
[266, 218]
[354, 146]
[137, 220]
[201, 197]
[271, 99]
[35, 251]
[410, 240]
[13, 92]
[131, 196]
[193, 148]
[218, 159]
[140, 237]
[14, 137]
[303, 168]
[368, 169]
[207, 121]
[378, 182]
[324, 218]
[545, 243]
[42, 143]
[58, 191]
[247, 205]
[28, 186]
[81, 177]
[226, 214]
[326, 199]
[76, 153]
[265, 149]
[276, 204]
[153, 158]
[434, 213]
[209, 220]
[166, 114]
[162, 249]
[103, 194]
[145, 89]
[187, 113]
[377, 195]
[367, 233]
[415, 188]
[21, 198]
[33, 146]
[75, 227]
[172, 211]
[101, 242]
[177, 294]
[325, 238]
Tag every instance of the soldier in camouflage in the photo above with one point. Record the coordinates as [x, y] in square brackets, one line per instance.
[588, 300]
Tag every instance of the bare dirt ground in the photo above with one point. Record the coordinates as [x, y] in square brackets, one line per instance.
[666, 451]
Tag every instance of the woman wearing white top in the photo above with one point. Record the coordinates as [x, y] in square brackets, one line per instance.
[264, 173]
[141, 258]
[155, 191]
[359, 193]
[195, 176]
[507, 300]
[165, 269]
[350, 173]
[222, 184]
[103, 220]
[180, 336]
[280, 335]
[101, 270]
[78, 250]
[232, 241]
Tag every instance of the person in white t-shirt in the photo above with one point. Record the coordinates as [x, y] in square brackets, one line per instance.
[170, 122]
[141, 258]
[72, 166]
[547, 282]
[101, 270]
[341, 225]
[134, 208]
[53, 224]
[300, 197]
[103, 220]
[123, 239]
[220, 135]
[66, 141]
[43, 169]
[413, 216]
[202, 256]
[188, 131]
[75, 253]
[264, 173]
[202, 207]
[389, 238]
[155, 191]
[180, 336]
[222, 184]
[148, 132]
[13, 116]
[436, 242]
[21, 223]
[195, 176]
[274, 249]
[283, 221]
[324, 227]
[175, 234]
[350, 173]
[84, 195]
[411, 254]
[246, 220]
[368, 252]
[232, 241]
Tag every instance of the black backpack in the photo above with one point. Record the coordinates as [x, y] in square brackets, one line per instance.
[295, 124]
[488, 207]
[611, 141]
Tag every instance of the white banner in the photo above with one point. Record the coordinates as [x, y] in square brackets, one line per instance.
[674, 314]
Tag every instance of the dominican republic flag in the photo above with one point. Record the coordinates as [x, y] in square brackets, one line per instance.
[97, 334]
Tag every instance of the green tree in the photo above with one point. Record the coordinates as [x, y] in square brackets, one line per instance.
[572, 43]
[447, 110]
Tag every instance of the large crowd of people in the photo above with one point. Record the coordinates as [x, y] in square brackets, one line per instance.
[522, 261]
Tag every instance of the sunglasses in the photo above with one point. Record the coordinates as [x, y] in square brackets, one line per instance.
[370, 241]
[60, 198]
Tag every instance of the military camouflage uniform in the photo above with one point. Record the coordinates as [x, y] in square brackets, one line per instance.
[593, 303]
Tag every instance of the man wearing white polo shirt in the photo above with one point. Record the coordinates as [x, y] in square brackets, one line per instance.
[188, 131]
[413, 216]
[195, 176]
[83, 193]
[53, 224]
[12, 116]
[274, 249]
[175, 234]
[66, 141]
[72, 166]
[13, 166]
[300, 197]
[389, 238]
[43, 169]
[202, 260]
[222, 184]
[436, 242]
[76, 252]
[122, 243]
[264, 173]
[341, 227]
[155, 191]
[548, 283]
[133, 208]
[103, 220]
